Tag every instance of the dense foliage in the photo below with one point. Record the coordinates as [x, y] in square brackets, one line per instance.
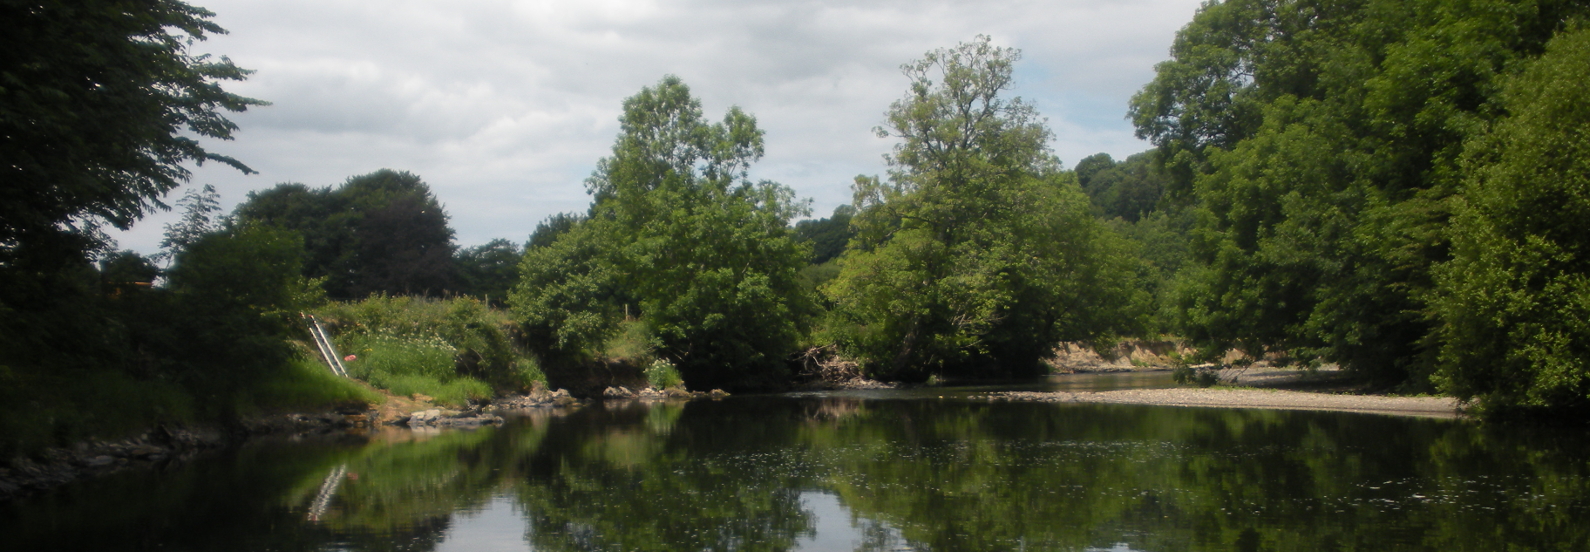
[1128, 190]
[101, 104]
[488, 271]
[678, 233]
[455, 350]
[383, 232]
[1320, 145]
[1514, 302]
[978, 253]
[827, 236]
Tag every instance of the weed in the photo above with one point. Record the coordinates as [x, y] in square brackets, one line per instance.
[633, 342]
[662, 374]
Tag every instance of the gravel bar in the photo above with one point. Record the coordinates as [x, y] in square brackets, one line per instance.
[1425, 407]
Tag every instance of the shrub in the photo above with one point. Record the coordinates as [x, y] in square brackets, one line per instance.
[453, 350]
[662, 375]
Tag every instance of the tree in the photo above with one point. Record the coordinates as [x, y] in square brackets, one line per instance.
[547, 231]
[489, 270]
[126, 269]
[677, 224]
[235, 292]
[101, 104]
[1318, 144]
[1514, 301]
[382, 232]
[198, 218]
[978, 254]
[828, 236]
[568, 297]
[1129, 189]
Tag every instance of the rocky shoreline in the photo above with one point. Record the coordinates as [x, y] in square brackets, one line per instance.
[172, 444]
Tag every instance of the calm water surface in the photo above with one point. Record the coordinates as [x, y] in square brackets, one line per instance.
[844, 472]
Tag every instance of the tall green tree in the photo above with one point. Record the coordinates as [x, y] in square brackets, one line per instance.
[1317, 142]
[1514, 302]
[200, 210]
[706, 253]
[978, 253]
[383, 232]
[489, 270]
[829, 236]
[101, 104]
[1129, 190]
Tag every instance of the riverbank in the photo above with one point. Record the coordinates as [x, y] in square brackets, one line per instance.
[1266, 388]
[171, 444]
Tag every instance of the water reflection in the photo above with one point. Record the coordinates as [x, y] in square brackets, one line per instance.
[763, 473]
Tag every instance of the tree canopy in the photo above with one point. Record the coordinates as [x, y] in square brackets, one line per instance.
[978, 253]
[677, 226]
[1513, 303]
[1319, 143]
[101, 104]
[382, 232]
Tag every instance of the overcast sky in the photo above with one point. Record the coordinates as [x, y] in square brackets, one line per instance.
[504, 106]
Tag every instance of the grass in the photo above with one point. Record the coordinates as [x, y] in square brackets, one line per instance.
[304, 384]
[633, 343]
[454, 350]
[407, 365]
[60, 407]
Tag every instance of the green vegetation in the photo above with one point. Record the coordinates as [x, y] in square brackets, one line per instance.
[456, 351]
[662, 375]
[828, 237]
[1514, 301]
[679, 238]
[1385, 185]
[382, 232]
[978, 254]
[1396, 187]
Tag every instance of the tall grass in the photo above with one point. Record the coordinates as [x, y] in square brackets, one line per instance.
[305, 383]
[632, 343]
[454, 350]
[407, 365]
[51, 409]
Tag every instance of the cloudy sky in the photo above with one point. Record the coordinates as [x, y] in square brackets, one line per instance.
[504, 106]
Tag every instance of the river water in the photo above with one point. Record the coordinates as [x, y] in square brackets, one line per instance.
[885, 471]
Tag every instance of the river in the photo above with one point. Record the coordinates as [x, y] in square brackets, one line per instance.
[877, 470]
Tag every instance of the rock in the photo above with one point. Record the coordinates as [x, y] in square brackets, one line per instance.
[425, 417]
[470, 421]
[676, 393]
[618, 393]
[98, 461]
[144, 451]
[717, 393]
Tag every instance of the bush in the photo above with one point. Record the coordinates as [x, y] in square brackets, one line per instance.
[662, 375]
[1514, 299]
[633, 342]
[453, 350]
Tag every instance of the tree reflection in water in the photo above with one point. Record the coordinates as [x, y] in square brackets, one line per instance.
[765, 473]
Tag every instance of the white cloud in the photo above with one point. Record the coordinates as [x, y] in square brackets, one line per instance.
[505, 106]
